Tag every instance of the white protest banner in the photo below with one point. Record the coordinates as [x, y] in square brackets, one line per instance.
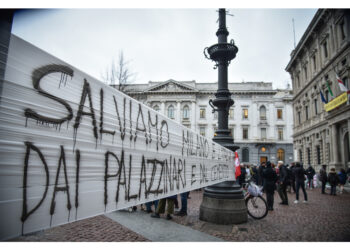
[72, 147]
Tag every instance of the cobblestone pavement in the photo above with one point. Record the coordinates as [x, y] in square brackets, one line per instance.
[323, 218]
[99, 228]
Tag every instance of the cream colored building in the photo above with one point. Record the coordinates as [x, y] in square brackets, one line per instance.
[261, 120]
[322, 137]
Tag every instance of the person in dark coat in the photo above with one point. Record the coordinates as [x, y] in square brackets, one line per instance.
[333, 180]
[323, 178]
[241, 178]
[342, 179]
[310, 172]
[270, 179]
[260, 172]
[292, 177]
[299, 174]
[283, 182]
[255, 174]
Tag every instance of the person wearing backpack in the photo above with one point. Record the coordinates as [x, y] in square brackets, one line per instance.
[333, 180]
[284, 181]
[310, 172]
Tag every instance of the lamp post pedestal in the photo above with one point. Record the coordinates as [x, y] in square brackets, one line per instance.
[223, 203]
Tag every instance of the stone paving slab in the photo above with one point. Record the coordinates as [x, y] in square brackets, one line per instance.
[159, 230]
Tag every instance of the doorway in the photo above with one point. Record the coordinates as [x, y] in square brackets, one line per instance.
[263, 159]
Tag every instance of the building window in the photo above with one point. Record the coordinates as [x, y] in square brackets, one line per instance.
[171, 112]
[186, 112]
[346, 82]
[299, 117]
[307, 113]
[280, 134]
[327, 95]
[318, 149]
[245, 133]
[262, 113]
[230, 113]
[263, 133]
[156, 108]
[279, 114]
[316, 104]
[342, 30]
[202, 112]
[280, 154]
[245, 113]
[245, 155]
[300, 155]
[298, 81]
[233, 132]
[202, 130]
[314, 62]
[308, 156]
[325, 49]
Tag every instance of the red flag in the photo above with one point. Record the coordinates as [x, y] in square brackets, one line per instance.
[237, 166]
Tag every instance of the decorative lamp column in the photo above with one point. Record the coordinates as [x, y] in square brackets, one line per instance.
[223, 203]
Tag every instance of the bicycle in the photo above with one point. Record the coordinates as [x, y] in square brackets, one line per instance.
[256, 204]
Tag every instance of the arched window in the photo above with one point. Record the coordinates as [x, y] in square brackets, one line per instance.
[245, 155]
[171, 112]
[186, 112]
[262, 113]
[280, 154]
[156, 108]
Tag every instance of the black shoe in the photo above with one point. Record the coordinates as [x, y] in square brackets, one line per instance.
[180, 213]
[149, 211]
[168, 217]
[155, 215]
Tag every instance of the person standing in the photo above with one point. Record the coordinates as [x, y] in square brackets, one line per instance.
[333, 180]
[299, 174]
[183, 210]
[161, 207]
[241, 178]
[310, 172]
[260, 172]
[342, 179]
[292, 177]
[270, 178]
[283, 182]
[323, 178]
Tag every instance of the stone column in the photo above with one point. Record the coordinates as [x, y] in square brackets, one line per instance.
[193, 115]
[162, 108]
[178, 111]
[334, 148]
[323, 135]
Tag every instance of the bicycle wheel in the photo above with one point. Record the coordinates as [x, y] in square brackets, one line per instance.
[256, 207]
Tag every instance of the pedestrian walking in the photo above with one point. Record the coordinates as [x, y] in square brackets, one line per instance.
[323, 178]
[183, 210]
[299, 174]
[283, 182]
[161, 207]
[270, 179]
[333, 180]
[342, 179]
[310, 172]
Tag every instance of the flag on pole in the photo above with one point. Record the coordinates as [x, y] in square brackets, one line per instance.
[329, 88]
[322, 97]
[342, 86]
[237, 166]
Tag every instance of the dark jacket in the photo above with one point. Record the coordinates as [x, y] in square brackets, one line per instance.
[323, 175]
[283, 175]
[310, 172]
[342, 178]
[270, 178]
[241, 178]
[333, 178]
[299, 173]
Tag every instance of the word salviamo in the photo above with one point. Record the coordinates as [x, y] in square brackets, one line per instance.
[72, 147]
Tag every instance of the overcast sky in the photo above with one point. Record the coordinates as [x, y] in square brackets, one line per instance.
[167, 44]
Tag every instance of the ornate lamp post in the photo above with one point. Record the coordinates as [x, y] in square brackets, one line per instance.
[223, 203]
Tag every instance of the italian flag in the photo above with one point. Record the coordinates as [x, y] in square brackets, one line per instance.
[237, 166]
[342, 85]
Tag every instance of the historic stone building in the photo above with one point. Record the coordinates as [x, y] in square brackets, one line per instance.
[320, 136]
[261, 119]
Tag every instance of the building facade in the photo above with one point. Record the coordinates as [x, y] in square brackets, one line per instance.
[320, 136]
[261, 119]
